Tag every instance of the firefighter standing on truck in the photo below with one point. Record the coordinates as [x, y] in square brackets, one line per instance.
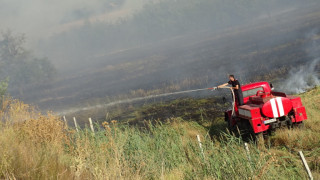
[236, 87]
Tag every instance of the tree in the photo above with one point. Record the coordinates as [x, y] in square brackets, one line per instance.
[20, 65]
[4, 87]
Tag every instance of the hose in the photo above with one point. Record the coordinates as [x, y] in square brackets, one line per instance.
[234, 102]
[234, 98]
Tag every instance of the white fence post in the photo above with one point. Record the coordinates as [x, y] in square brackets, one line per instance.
[107, 116]
[248, 155]
[91, 125]
[306, 165]
[248, 151]
[65, 120]
[200, 144]
[75, 123]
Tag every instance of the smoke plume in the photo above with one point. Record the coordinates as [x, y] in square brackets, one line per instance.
[306, 76]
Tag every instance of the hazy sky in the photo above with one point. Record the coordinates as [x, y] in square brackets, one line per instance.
[41, 18]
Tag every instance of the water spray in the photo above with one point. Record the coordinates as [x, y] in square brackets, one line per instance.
[145, 98]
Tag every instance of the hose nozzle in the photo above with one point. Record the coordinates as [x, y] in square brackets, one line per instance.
[213, 88]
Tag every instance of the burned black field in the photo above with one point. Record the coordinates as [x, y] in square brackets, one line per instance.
[204, 111]
[194, 61]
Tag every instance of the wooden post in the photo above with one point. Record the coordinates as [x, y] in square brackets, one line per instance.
[200, 144]
[91, 125]
[75, 123]
[306, 165]
[107, 116]
[65, 120]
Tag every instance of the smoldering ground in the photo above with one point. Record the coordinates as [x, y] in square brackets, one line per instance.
[306, 76]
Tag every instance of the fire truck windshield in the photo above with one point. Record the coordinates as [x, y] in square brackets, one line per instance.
[251, 92]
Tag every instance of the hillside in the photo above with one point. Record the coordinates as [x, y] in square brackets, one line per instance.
[285, 40]
[123, 89]
[35, 146]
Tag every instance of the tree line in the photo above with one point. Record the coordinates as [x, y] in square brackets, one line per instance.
[19, 68]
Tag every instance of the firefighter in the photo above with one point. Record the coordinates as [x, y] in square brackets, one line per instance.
[236, 87]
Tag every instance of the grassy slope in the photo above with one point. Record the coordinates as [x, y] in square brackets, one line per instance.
[44, 149]
[307, 139]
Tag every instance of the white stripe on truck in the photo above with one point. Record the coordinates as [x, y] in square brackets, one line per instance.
[274, 108]
[280, 106]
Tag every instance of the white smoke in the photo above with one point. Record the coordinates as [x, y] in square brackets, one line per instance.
[40, 19]
[306, 76]
[303, 78]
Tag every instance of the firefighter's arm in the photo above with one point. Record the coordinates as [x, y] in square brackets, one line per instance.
[222, 85]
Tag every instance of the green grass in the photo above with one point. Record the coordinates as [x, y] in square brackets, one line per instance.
[44, 149]
[170, 151]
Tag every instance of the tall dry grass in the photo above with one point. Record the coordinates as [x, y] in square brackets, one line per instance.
[307, 138]
[37, 146]
[32, 145]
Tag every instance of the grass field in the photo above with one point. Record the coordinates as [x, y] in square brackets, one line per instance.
[35, 146]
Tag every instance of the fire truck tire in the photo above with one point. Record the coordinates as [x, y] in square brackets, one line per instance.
[230, 127]
[243, 128]
[259, 139]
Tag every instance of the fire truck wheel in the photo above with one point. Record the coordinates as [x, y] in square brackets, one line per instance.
[230, 127]
[259, 139]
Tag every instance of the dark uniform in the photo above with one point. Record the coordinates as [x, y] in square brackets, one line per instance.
[237, 92]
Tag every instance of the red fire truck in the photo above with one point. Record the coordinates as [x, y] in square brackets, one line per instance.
[265, 110]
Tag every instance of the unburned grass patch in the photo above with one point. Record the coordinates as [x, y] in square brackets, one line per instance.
[36, 146]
